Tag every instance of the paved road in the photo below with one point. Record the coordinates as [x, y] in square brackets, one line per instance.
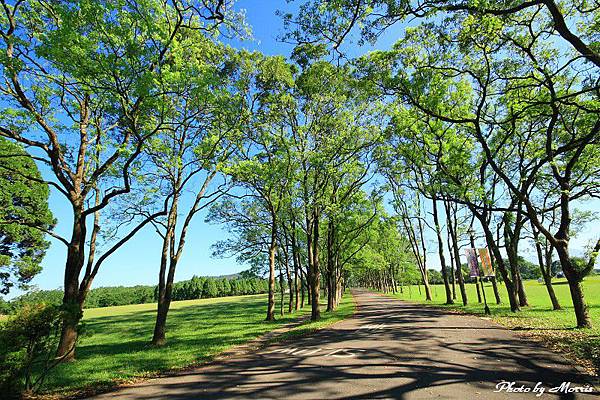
[390, 349]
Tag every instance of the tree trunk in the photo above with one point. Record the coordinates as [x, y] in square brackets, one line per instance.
[441, 252]
[72, 300]
[453, 234]
[296, 261]
[164, 293]
[452, 261]
[290, 283]
[308, 290]
[579, 305]
[330, 272]
[521, 289]
[272, 255]
[581, 309]
[315, 273]
[281, 290]
[548, 283]
[303, 285]
[495, 287]
[560, 242]
[164, 303]
[452, 275]
[493, 247]
[424, 260]
[511, 243]
[545, 262]
[169, 257]
[158, 339]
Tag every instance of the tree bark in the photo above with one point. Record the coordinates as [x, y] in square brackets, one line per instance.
[315, 273]
[164, 294]
[579, 305]
[489, 238]
[441, 252]
[296, 261]
[545, 263]
[495, 287]
[289, 278]
[511, 242]
[452, 260]
[281, 289]
[521, 289]
[330, 272]
[272, 256]
[454, 236]
[72, 301]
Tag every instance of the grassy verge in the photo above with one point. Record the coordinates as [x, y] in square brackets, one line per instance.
[538, 321]
[115, 347]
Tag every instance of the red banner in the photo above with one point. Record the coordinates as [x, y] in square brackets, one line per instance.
[486, 262]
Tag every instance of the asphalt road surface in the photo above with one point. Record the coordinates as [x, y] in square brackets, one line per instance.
[389, 350]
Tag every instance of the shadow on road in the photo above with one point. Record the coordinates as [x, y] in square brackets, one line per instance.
[390, 349]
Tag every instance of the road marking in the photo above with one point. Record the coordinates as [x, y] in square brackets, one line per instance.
[372, 327]
[347, 353]
[337, 353]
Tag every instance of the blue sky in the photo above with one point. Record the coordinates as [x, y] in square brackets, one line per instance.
[137, 261]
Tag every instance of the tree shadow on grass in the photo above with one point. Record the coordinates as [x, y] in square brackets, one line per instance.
[117, 347]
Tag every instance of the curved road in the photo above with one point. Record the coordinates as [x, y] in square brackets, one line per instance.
[390, 349]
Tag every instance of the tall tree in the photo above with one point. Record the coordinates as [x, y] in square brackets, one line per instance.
[83, 87]
[262, 163]
[333, 127]
[186, 155]
[543, 117]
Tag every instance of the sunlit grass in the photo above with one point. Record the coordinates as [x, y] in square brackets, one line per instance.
[116, 345]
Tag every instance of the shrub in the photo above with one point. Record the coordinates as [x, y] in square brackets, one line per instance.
[28, 341]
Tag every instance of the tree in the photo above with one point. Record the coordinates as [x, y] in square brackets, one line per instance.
[301, 168]
[210, 289]
[24, 217]
[333, 125]
[385, 258]
[261, 163]
[86, 104]
[28, 340]
[188, 152]
[337, 19]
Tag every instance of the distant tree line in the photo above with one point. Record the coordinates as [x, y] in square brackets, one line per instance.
[194, 288]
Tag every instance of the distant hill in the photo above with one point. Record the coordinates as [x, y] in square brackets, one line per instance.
[246, 274]
[230, 276]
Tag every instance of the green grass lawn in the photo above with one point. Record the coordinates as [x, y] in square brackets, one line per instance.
[556, 328]
[116, 344]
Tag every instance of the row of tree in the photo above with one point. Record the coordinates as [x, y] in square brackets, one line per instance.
[123, 106]
[486, 115]
[204, 288]
[494, 118]
[191, 289]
